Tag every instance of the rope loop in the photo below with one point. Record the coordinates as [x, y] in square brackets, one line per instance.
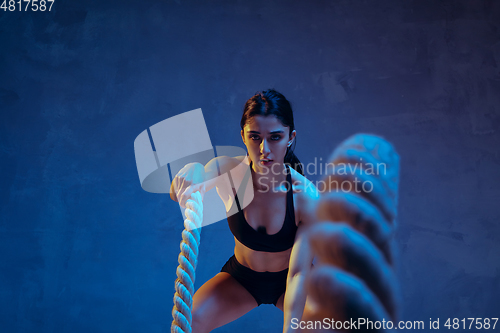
[188, 260]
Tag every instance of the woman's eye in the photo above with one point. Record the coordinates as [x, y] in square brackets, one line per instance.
[254, 137]
[275, 137]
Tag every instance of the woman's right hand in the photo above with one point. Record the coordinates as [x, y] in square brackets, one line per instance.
[190, 179]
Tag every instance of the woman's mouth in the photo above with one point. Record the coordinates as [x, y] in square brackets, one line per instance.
[265, 161]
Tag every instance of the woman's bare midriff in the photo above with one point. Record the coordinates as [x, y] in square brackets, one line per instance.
[260, 261]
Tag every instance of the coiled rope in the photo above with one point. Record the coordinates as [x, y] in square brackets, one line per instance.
[188, 259]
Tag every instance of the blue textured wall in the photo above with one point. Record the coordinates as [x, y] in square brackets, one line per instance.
[84, 249]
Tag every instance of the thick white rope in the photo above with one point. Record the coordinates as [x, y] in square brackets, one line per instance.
[188, 259]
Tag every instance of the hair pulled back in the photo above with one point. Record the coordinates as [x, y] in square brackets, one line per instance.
[270, 102]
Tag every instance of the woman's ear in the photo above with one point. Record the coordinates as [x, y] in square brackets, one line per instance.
[243, 136]
[292, 137]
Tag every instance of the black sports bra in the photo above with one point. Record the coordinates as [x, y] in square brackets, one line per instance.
[259, 240]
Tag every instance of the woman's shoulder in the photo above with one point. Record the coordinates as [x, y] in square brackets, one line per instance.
[300, 184]
[305, 192]
[226, 163]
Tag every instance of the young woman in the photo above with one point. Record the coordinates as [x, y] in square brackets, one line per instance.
[269, 256]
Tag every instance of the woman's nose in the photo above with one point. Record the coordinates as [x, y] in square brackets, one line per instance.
[264, 147]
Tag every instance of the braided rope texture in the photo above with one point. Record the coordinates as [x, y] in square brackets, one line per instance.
[359, 151]
[188, 259]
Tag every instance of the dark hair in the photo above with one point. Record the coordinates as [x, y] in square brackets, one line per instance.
[271, 102]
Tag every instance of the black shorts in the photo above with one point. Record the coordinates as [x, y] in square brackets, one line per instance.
[265, 287]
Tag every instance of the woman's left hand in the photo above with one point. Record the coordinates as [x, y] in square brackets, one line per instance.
[190, 179]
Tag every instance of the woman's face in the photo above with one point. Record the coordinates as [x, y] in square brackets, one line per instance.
[267, 139]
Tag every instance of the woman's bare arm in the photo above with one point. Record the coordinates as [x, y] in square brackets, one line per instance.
[195, 177]
[302, 256]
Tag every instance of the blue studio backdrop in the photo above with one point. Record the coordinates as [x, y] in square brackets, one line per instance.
[84, 249]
